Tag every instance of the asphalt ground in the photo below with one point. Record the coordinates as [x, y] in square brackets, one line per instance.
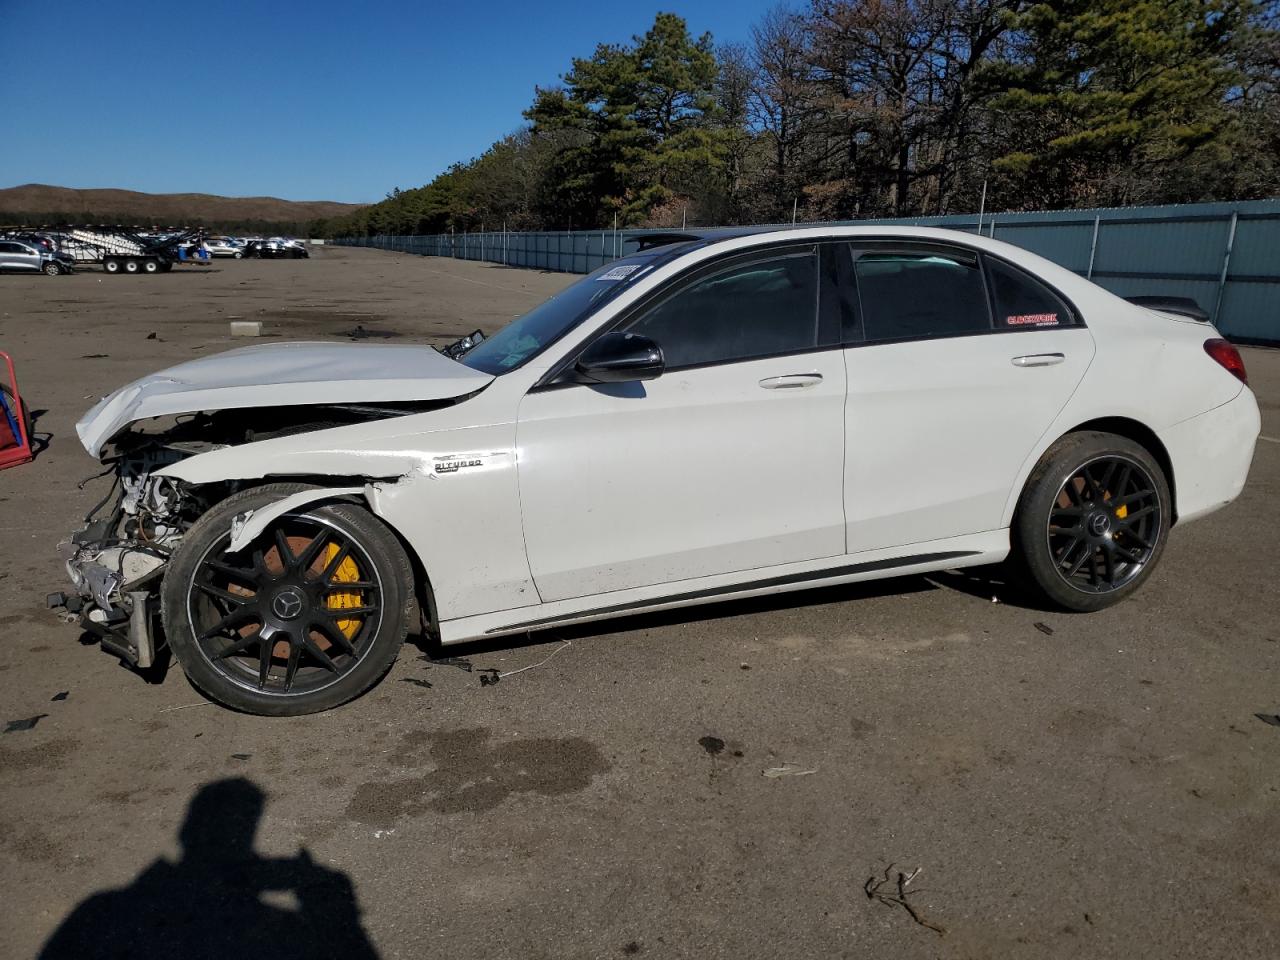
[1065, 786]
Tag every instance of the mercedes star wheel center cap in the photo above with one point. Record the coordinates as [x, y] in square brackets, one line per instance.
[287, 604]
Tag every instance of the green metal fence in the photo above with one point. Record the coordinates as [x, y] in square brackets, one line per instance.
[1225, 256]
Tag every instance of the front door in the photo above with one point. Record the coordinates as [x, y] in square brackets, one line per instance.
[730, 461]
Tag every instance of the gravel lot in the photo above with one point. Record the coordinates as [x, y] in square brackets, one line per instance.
[1070, 786]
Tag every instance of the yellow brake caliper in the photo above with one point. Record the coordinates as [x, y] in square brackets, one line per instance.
[347, 572]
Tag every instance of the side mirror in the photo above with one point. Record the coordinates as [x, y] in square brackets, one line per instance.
[619, 357]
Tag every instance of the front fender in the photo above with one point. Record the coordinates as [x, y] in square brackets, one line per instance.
[245, 527]
[453, 497]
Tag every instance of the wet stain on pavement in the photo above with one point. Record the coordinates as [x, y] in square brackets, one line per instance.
[713, 745]
[51, 755]
[473, 774]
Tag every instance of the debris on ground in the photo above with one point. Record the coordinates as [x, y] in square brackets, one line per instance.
[713, 745]
[489, 676]
[895, 894]
[496, 676]
[241, 756]
[152, 336]
[460, 662]
[788, 770]
[60, 696]
[94, 356]
[425, 684]
[1044, 628]
[17, 726]
[1271, 718]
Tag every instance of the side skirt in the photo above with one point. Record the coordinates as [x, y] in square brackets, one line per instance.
[973, 550]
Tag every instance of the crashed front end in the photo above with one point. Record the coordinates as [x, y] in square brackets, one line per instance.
[117, 560]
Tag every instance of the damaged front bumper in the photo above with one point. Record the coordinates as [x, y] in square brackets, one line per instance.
[116, 596]
[116, 562]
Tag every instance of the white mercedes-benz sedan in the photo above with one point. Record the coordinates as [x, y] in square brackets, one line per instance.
[720, 415]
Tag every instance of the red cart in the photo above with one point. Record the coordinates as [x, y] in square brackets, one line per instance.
[15, 422]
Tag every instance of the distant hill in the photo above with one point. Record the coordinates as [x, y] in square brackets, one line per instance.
[38, 203]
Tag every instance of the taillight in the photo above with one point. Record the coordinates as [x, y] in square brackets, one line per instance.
[1228, 358]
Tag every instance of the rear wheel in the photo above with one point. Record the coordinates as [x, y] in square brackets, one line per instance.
[308, 616]
[150, 266]
[111, 266]
[1092, 521]
[131, 266]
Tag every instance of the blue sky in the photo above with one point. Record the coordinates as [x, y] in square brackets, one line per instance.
[308, 101]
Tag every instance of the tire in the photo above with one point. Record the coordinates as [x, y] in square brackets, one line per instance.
[131, 266]
[1092, 521]
[237, 256]
[111, 266]
[52, 269]
[150, 266]
[210, 606]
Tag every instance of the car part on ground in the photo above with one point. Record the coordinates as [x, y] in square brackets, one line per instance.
[658, 435]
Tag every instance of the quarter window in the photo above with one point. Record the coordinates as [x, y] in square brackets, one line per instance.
[1022, 302]
[914, 294]
[766, 307]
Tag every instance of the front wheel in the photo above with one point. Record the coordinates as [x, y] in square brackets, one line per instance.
[52, 269]
[1092, 521]
[308, 616]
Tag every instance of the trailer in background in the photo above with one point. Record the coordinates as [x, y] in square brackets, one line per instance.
[124, 251]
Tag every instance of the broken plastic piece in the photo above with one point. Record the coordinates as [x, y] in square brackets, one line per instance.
[788, 770]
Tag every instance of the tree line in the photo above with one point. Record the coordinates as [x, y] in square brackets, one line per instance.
[849, 109]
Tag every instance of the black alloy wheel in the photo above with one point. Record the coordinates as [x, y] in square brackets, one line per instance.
[1104, 524]
[307, 616]
[1092, 520]
[295, 615]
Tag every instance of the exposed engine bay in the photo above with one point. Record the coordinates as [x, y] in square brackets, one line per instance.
[117, 559]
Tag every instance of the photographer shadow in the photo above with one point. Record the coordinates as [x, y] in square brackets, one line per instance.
[221, 899]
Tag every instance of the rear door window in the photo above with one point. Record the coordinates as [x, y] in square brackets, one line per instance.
[911, 294]
[1022, 302]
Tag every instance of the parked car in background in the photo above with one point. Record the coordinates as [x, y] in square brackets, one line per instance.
[20, 256]
[276, 250]
[224, 247]
[721, 415]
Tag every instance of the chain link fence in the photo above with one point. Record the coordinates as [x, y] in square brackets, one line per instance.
[1225, 256]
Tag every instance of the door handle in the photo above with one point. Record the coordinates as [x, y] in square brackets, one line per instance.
[1039, 359]
[791, 381]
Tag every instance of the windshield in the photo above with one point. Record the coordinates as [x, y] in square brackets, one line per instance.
[542, 326]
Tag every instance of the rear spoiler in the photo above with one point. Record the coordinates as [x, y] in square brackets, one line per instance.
[1182, 306]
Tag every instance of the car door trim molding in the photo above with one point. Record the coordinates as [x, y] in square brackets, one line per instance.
[789, 579]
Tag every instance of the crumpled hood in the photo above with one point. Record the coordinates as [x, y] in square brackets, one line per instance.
[282, 374]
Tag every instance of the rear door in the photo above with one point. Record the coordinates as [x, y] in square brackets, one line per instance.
[732, 460]
[958, 363]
